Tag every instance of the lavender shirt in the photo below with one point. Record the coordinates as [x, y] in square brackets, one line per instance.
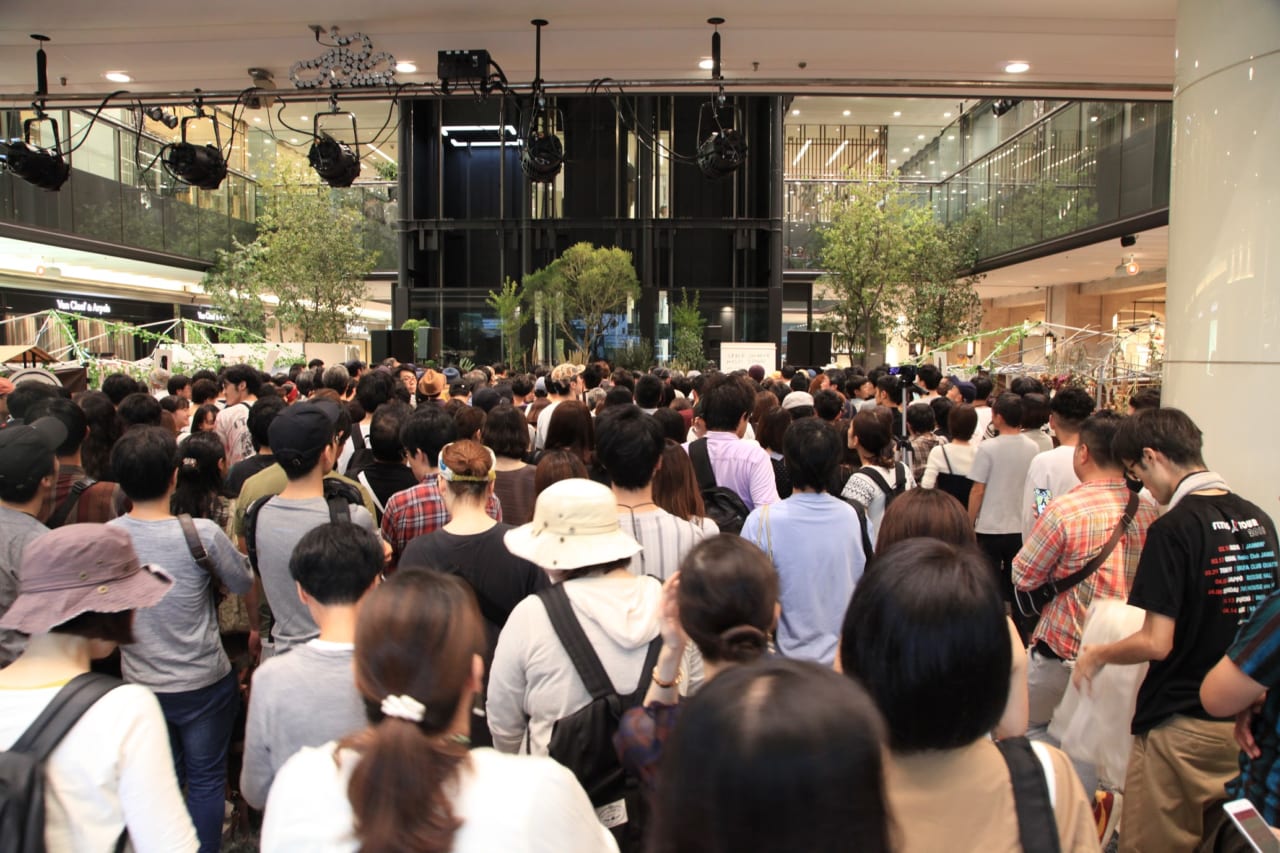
[742, 466]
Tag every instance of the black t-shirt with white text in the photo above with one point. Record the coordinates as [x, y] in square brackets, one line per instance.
[1207, 564]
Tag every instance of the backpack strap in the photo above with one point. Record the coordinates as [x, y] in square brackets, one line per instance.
[650, 661]
[251, 530]
[900, 472]
[701, 459]
[195, 546]
[339, 509]
[357, 438]
[947, 459]
[867, 548]
[60, 716]
[68, 505]
[364, 481]
[1037, 826]
[575, 642]
[876, 477]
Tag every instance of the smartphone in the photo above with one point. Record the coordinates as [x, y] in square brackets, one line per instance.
[1252, 826]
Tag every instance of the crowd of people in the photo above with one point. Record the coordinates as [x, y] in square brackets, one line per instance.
[393, 608]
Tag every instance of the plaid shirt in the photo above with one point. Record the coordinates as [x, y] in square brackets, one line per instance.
[98, 504]
[1072, 529]
[420, 510]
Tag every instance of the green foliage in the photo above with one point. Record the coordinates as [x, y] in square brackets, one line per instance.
[687, 324]
[637, 355]
[414, 325]
[235, 289]
[308, 253]
[387, 170]
[584, 284]
[937, 305]
[506, 303]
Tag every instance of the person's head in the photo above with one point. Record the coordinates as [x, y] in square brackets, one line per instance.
[203, 392]
[871, 434]
[920, 420]
[140, 409]
[179, 386]
[117, 386]
[574, 531]
[261, 414]
[407, 376]
[800, 382]
[467, 471]
[941, 407]
[336, 378]
[384, 431]
[564, 380]
[623, 378]
[675, 485]
[1007, 411]
[144, 462]
[751, 723]
[728, 599]
[827, 405]
[766, 401]
[373, 389]
[557, 465]
[629, 444]
[1159, 447]
[336, 563]
[304, 437]
[469, 420]
[671, 423]
[929, 376]
[1144, 398]
[202, 463]
[419, 642]
[648, 391]
[962, 422]
[239, 383]
[1035, 410]
[204, 419]
[105, 428]
[84, 580]
[859, 387]
[821, 382]
[571, 428]
[1069, 408]
[798, 404]
[926, 634]
[888, 390]
[726, 400]
[28, 464]
[26, 394]
[1094, 456]
[811, 452]
[982, 388]
[925, 512]
[72, 418]
[506, 432]
[772, 429]
[427, 430]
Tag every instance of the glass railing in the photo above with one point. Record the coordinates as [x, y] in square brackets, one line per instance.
[1083, 165]
[113, 197]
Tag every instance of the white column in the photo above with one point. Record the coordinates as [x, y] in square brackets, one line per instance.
[1222, 363]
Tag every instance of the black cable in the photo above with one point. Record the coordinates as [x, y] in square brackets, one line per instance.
[92, 121]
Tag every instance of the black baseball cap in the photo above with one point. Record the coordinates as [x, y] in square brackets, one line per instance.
[301, 432]
[26, 450]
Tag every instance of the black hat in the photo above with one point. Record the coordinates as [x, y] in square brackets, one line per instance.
[301, 432]
[26, 450]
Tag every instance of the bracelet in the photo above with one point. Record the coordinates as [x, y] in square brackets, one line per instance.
[667, 685]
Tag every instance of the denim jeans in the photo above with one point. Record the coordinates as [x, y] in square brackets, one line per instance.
[200, 724]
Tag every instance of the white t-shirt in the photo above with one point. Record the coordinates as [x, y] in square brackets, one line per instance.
[871, 497]
[1051, 474]
[544, 423]
[947, 459]
[516, 804]
[112, 770]
[1001, 463]
[984, 421]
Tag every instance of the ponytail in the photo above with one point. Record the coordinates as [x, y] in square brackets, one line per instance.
[743, 644]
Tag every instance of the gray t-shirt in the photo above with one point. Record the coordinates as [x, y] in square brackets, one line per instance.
[16, 530]
[305, 698]
[1001, 463]
[176, 646]
[282, 522]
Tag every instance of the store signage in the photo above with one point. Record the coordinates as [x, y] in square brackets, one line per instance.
[80, 306]
[356, 330]
[210, 316]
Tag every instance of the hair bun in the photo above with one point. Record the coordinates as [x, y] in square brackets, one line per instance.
[742, 643]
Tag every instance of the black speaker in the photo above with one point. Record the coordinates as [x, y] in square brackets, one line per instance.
[391, 343]
[808, 349]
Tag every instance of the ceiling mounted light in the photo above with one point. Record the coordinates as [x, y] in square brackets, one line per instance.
[405, 67]
[334, 161]
[200, 166]
[846, 113]
[542, 154]
[897, 113]
[118, 77]
[160, 114]
[41, 167]
[724, 150]
[1000, 106]
[706, 63]
[1017, 66]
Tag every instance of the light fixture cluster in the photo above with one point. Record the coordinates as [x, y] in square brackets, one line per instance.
[344, 66]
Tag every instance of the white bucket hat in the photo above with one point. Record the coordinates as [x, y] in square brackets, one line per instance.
[575, 524]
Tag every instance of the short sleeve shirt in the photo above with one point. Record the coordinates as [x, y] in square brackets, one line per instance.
[1256, 651]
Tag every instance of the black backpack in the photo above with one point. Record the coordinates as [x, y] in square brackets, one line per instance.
[361, 454]
[583, 741]
[22, 765]
[723, 506]
[900, 472]
[337, 494]
[956, 485]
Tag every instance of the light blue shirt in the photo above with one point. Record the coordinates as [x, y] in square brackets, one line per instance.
[814, 543]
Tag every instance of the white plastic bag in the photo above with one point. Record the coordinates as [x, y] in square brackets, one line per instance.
[1094, 728]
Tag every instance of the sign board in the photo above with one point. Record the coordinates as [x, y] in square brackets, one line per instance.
[740, 356]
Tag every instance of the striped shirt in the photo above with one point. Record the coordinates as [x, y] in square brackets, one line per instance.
[665, 538]
[1256, 651]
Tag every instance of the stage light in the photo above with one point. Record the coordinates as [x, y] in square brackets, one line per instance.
[722, 153]
[163, 116]
[41, 167]
[1000, 106]
[201, 166]
[334, 161]
[1128, 240]
[542, 157]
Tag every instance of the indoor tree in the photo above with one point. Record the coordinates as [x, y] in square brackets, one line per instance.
[586, 286]
[507, 304]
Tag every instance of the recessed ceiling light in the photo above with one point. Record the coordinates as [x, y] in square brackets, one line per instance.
[906, 150]
[846, 112]
[951, 136]
[404, 67]
[294, 140]
[897, 113]
[306, 118]
[795, 112]
[118, 77]
[946, 115]
[257, 119]
[1093, 118]
[920, 136]
[893, 161]
[1017, 66]
[706, 64]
